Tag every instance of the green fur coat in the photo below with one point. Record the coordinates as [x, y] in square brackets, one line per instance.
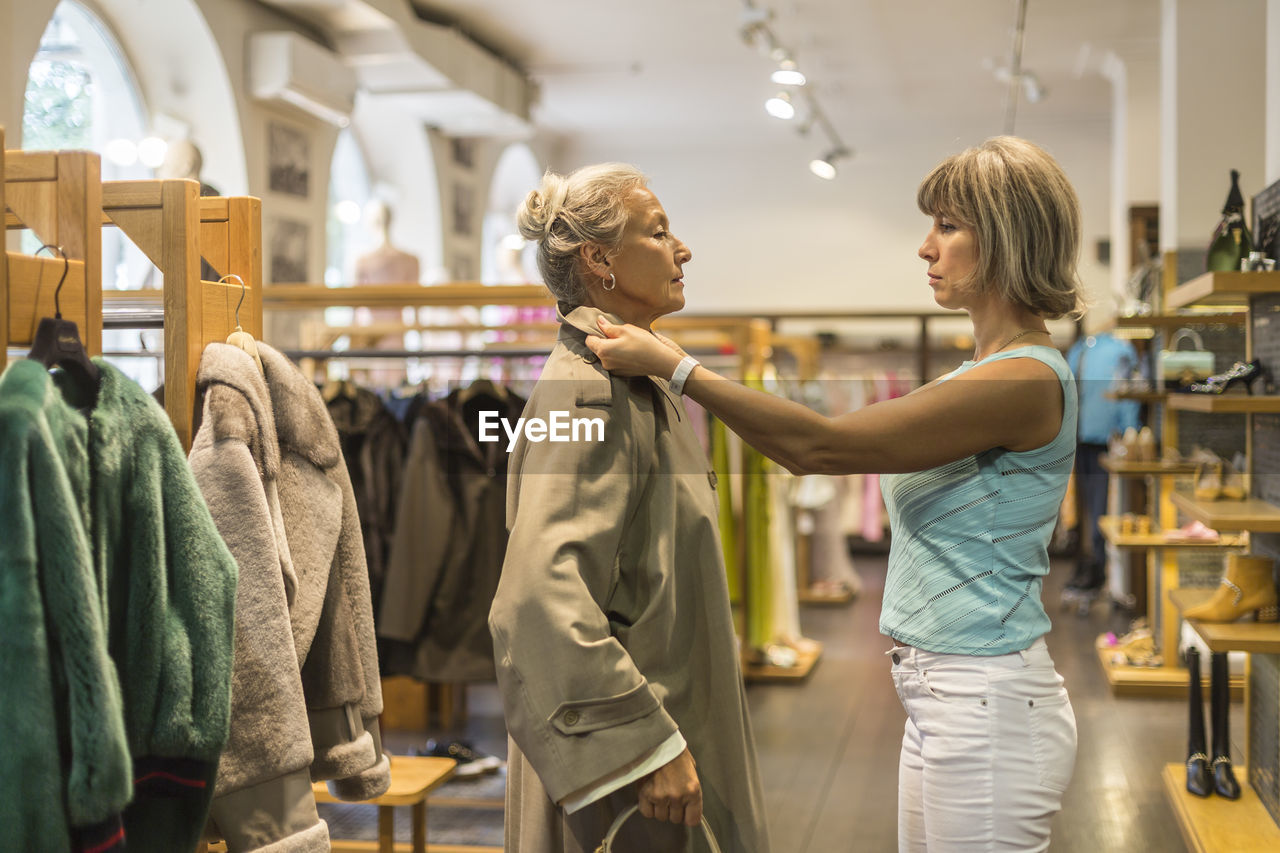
[116, 608]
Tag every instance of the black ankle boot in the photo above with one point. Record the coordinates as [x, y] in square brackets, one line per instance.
[1198, 779]
[1224, 780]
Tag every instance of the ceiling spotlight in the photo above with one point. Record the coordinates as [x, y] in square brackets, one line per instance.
[780, 106]
[825, 167]
[787, 74]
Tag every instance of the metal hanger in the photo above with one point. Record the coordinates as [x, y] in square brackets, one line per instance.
[56, 342]
[240, 338]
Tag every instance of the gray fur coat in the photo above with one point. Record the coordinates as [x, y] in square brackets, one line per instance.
[305, 690]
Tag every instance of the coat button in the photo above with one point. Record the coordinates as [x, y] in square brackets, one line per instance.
[590, 359]
[897, 658]
[571, 718]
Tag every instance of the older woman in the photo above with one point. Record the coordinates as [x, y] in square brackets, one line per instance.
[613, 635]
[978, 463]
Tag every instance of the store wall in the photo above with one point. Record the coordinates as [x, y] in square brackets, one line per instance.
[767, 235]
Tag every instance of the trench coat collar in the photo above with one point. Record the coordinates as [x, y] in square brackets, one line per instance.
[577, 323]
[582, 319]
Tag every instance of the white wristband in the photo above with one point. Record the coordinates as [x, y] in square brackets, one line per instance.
[683, 369]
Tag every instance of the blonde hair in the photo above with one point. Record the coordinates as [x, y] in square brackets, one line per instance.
[1025, 216]
[567, 212]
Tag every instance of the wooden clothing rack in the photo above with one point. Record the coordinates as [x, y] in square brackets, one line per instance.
[174, 227]
[58, 197]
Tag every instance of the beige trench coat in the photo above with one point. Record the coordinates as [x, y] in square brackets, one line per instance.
[612, 627]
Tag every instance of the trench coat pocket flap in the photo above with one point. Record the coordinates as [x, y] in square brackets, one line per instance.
[588, 715]
[595, 393]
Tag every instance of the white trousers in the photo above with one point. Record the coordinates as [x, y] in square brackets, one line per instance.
[988, 750]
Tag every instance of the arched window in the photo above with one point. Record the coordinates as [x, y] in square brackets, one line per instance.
[82, 94]
[346, 237]
[505, 258]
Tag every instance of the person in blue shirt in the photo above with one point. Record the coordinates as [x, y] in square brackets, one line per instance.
[976, 467]
[1097, 361]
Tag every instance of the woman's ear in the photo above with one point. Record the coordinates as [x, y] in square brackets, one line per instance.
[595, 259]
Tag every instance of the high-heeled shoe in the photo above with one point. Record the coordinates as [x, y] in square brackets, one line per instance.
[1242, 371]
[1199, 781]
[1232, 483]
[1246, 587]
[1208, 481]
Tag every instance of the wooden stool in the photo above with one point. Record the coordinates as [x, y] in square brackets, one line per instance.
[412, 779]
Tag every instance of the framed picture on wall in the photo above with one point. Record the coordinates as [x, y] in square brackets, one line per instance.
[289, 251]
[464, 208]
[288, 160]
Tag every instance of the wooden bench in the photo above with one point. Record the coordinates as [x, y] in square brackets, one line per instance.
[412, 779]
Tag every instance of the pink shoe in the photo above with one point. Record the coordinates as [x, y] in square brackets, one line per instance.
[1196, 531]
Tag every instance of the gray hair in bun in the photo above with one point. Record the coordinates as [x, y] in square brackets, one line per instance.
[567, 212]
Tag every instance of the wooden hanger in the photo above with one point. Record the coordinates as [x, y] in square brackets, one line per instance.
[240, 338]
[56, 342]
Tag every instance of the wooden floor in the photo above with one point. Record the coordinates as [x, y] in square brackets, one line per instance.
[828, 747]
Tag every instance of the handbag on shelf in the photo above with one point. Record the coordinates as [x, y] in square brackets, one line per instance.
[1180, 368]
[606, 846]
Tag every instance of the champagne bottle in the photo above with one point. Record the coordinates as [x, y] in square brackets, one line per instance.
[1231, 239]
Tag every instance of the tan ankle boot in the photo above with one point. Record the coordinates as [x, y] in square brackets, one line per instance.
[1246, 587]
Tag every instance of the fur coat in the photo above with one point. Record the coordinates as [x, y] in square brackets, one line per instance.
[306, 694]
[116, 615]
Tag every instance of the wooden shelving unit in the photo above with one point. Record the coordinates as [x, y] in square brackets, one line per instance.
[1240, 404]
[1214, 825]
[1110, 526]
[1250, 514]
[1255, 637]
[1222, 288]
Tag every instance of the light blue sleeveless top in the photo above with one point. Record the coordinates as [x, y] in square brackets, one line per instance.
[970, 539]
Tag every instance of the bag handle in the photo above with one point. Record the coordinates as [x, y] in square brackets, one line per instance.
[606, 846]
[1184, 333]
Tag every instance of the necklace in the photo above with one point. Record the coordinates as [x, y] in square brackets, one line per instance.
[1020, 334]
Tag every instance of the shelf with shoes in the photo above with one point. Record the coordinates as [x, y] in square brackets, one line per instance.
[1254, 637]
[1248, 514]
[1221, 288]
[1212, 823]
[1158, 681]
[1113, 530]
[1225, 403]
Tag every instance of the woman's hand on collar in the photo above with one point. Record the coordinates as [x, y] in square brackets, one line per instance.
[631, 351]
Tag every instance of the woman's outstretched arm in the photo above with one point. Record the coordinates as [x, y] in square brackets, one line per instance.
[1015, 403]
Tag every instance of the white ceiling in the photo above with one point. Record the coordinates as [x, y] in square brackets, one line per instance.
[678, 73]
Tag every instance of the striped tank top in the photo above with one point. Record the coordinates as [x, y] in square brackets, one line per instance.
[970, 539]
